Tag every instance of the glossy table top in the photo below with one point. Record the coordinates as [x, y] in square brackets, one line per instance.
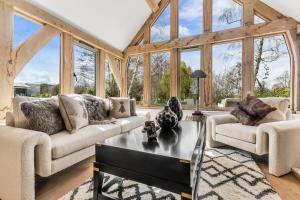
[178, 143]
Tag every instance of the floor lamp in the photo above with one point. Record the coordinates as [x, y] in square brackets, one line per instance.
[197, 75]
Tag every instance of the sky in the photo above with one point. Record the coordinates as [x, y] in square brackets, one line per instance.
[44, 66]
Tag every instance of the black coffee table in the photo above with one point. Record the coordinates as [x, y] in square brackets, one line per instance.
[171, 163]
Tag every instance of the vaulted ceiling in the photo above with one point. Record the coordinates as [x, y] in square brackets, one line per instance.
[117, 21]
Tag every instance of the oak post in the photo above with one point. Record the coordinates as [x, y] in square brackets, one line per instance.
[174, 52]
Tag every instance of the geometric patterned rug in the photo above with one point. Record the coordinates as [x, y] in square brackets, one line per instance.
[226, 174]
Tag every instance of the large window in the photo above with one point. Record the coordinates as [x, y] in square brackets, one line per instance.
[227, 72]
[226, 14]
[160, 30]
[84, 69]
[111, 87]
[190, 60]
[272, 67]
[190, 17]
[160, 78]
[135, 78]
[40, 76]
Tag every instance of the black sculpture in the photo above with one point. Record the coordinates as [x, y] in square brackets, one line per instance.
[176, 107]
[166, 118]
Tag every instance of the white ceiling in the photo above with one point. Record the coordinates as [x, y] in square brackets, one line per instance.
[113, 21]
[289, 8]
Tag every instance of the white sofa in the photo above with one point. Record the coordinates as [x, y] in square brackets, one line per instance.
[24, 153]
[281, 140]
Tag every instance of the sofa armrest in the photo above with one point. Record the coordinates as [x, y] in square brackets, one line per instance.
[281, 140]
[144, 113]
[211, 123]
[22, 153]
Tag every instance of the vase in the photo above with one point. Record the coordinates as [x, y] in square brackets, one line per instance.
[176, 107]
[166, 118]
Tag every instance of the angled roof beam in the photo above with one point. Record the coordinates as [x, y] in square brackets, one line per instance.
[153, 5]
[44, 17]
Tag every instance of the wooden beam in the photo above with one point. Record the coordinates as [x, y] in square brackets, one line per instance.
[174, 52]
[66, 64]
[115, 70]
[100, 80]
[162, 5]
[262, 29]
[124, 71]
[7, 70]
[248, 51]
[153, 5]
[42, 16]
[206, 92]
[266, 11]
[32, 45]
[147, 80]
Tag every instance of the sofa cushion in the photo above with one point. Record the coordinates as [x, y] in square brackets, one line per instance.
[243, 117]
[120, 107]
[131, 122]
[238, 131]
[64, 143]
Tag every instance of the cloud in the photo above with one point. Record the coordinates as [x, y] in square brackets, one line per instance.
[160, 32]
[184, 31]
[191, 9]
[36, 77]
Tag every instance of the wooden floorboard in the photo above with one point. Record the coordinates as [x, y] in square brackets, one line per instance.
[52, 188]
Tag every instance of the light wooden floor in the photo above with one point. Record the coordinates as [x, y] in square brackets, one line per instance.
[54, 187]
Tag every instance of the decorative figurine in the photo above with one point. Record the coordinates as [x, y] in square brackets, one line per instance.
[176, 107]
[167, 119]
[150, 128]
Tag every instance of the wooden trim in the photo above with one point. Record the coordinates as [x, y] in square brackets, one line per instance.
[147, 80]
[115, 70]
[174, 72]
[100, 81]
[32, 45]
[44, 17]
[266, 11]
[153, 5]
[262, 29]
[162, 5]
[174, 19]
[207, 15]
[66, 64]
[248, 51]
[124, 70]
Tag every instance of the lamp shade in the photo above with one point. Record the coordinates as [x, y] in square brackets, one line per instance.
[198, 74]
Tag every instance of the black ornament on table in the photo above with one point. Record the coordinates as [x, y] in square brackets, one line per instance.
[176, 107]
[167, 119]
[150, 128]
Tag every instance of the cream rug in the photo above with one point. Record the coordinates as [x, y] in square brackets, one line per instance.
[226, 174]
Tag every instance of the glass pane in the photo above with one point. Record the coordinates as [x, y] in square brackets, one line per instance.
[135, 78]
[23, 29]
[190, 17]
[226, 14]
[111, 87]
[160, 78]
[272, 67]
[40, 76]
[160, 31]
[227, 73]
[84, 70]
[258, 20]
[190, 61]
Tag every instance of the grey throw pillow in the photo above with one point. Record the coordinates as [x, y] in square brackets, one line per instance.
[120, 107]
[96, 108]
[133, 107]
[43, 115]
[73, 111]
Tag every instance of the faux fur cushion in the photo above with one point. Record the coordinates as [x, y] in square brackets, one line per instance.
[243, 117]
[255, 107]
[120, 107]
[73, 111]
[96, 108]
[43, 115]
[133, 107]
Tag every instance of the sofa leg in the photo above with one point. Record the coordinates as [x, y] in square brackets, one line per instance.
[213, 144]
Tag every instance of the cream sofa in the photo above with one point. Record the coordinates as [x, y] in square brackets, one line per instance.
[24, 153]
[281, 140]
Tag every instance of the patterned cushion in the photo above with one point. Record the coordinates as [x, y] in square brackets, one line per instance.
[43, 115]
[120, 107]
[256, 108]
[243, 117]
[73, 111]
[96, 108]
